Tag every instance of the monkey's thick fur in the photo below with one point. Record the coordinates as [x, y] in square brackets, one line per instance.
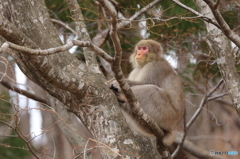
[158, 89]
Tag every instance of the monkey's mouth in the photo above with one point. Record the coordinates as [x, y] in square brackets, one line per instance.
[140, 59]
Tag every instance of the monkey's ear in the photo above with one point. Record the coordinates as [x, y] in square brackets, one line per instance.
[152, 57]
[159, 50]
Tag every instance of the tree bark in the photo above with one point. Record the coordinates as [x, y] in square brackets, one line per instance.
[77, 86]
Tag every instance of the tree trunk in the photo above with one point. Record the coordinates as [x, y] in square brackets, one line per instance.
[220, 46]
[63, 76]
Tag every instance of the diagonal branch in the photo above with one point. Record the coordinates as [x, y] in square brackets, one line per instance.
[212, 21]
[14, 88]
[64, 25]
[122, 81]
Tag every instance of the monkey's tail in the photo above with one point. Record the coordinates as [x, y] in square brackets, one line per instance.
[169, 137]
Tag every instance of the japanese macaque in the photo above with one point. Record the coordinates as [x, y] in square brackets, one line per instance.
[158, 89]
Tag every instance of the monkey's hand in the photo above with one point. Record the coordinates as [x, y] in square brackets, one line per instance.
[114, 86]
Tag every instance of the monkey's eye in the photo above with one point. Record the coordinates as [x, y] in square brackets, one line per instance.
[144, 47]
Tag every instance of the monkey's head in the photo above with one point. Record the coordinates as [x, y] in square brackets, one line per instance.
[145, 51]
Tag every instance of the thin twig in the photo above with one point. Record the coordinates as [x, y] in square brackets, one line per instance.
[126, 22]
[22, 137]
[54, 147]
[65, 25]
[217, 96]
[85, 149]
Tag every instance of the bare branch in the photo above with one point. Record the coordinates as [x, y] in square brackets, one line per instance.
[126, 22]
[144, 9]
[216, 4]
[212, 21]
[55, 50]
[220, 45]
[101, 37]
[218, 96]
[195, 115]
[14, 88]
[22, 137]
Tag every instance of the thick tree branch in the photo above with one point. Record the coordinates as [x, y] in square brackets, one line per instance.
[18, 37]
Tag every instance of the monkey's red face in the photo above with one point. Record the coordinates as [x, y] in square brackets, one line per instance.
[141, 52]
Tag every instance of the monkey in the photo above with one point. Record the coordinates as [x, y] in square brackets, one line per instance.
[158, 89]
